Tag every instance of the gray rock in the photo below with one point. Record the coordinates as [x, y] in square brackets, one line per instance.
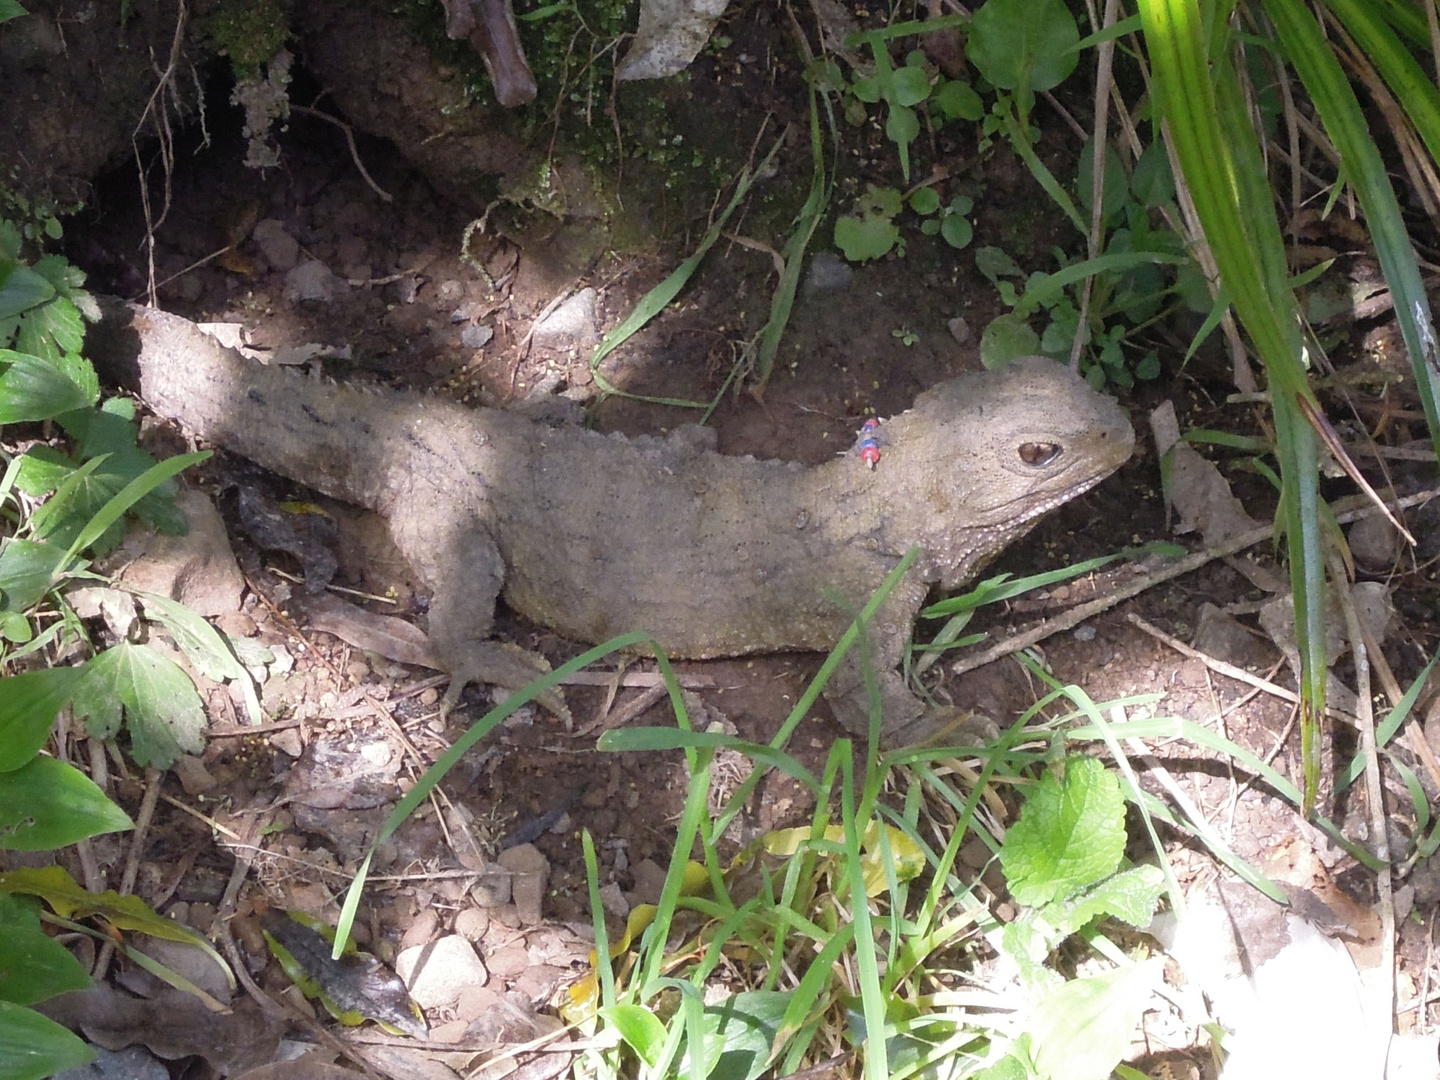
[530, 871]
[438, 972]
[574, 319]
[312, 281]
[281, 250]
[476, 337]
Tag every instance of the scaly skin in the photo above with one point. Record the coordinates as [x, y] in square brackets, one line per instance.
[595, 535]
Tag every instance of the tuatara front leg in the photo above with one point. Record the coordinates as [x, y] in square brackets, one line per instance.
[905, 720]
[457, 559]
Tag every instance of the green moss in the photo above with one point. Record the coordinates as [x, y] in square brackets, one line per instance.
[249, 32]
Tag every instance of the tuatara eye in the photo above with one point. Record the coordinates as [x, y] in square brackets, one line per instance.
[1039, 454]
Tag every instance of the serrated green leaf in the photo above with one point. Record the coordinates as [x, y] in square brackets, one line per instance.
[995, 264]
[200, 641]
[33, 1046]
[51, 329]
[48, 804]
[35, 965]
[35, 389]
[156, 698]
[41, 470]
[1130, 896]
[1082, 1030]
[64, 275]
[28, 705]
[21, 289]
[1070, 834]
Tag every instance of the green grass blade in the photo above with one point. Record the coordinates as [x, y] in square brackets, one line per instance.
[128, 496]
[1307, 49]
[658, 298]
[783, 300]
[1201, 99]
[433, 775]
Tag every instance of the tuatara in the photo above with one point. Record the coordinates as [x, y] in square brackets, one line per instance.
[594, 535]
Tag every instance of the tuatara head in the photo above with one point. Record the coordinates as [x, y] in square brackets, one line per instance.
[980, 457]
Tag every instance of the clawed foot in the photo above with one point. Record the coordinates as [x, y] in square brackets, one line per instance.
[507, 666]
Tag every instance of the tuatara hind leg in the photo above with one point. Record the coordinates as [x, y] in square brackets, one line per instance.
[460, 564]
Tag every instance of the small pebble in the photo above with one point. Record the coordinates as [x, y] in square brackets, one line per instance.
[476, 337]
[828, 273]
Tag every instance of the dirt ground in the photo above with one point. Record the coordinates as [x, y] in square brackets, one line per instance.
[413, 312]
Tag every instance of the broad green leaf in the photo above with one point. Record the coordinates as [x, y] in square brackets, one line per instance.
[995, 264]
[959, 101]
[10, 9]
[34, 389]
[20, 289]
[1023, 44]
[27, 572]
[1152, 182]
[1070, 834]
[909, 86]
[1082, 1030]
[864, 238]
[925, 200]
[48, 804]
[15, 627]
[957, 230]
[33, 1046]
[33, 965]
[1007, 338]
[156, 698]
[902, 125]
[28, 705]
[867, 89]
[739, 1032]
[640, 1028]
